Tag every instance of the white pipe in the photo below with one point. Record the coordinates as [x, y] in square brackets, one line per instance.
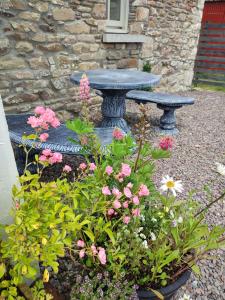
[8, 170]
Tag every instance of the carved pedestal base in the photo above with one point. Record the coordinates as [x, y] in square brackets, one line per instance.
[113, 109]
[168, 119]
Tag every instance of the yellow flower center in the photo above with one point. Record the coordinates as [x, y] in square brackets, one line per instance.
[170, 184]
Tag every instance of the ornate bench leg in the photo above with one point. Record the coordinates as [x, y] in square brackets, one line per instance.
[113, 109]
[168, 119]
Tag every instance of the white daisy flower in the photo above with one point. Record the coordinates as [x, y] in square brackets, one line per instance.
[171, 185]
[220, 168]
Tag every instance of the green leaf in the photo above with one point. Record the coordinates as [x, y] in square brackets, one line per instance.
[90, 235]
[110, 234]
[2, 270]
[29, 137]
[158, 294]
[79, 126]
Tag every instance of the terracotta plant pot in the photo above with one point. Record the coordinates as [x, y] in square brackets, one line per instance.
[167, 291]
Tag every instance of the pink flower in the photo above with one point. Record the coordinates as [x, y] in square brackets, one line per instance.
[108, 170]
[136, 212]
[55, 158]
[55, 123]
[94, 250]
[39, 110]
[80, 243]
[126, 204]
[47, 152]
[127, 192]
[43, 158]
[143, 190]
[102, 255]
[43, 137]
[17, 205]
[92, 166]
[118, 134]
[126, 170]
[116, 204]
[82, 166]
[34, 122]
[82, 253]
[166, 143]
[110, 212]
[126, 219]
[67, 169]
[84, 88]
[119, 177]
[130, 185]
[116, 193]
[106, 190]
[136, 200]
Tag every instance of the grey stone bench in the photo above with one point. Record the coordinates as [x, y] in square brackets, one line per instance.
[57, 141]
[167, 102]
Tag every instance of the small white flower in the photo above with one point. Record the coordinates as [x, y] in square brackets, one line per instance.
[185, 297]
[172, 214]
[154, 220]
[171, 185]
[145, 244]
[180, 220]
[153, 237]
[139, 229]
[220, 168]
[142, 217]
[142, 236]
[174, 223]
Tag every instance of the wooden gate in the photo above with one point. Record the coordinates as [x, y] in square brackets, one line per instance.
[210, 60]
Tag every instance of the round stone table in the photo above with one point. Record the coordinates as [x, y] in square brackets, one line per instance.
[114, 85]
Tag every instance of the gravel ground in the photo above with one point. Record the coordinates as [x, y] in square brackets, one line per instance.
[198, 146]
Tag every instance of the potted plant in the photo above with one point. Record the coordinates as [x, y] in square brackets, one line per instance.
[127, 238]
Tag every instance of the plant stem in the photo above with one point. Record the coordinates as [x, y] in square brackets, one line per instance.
[210, 204]
[138, 156]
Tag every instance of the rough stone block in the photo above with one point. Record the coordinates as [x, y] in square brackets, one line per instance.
[142, 14]
[53, 47]
[99, 11]
[24, 47]
[38, 62]
[63, 14]
[127, 63]
[4, 46]
[27, 15]
[11, 62]
[84, 66]
[77, 27]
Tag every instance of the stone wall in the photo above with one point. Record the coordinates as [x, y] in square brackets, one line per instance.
[43, 42]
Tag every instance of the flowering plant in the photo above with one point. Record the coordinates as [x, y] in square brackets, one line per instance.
[112, 221]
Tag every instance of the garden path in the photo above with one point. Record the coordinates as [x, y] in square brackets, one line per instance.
[199, 145]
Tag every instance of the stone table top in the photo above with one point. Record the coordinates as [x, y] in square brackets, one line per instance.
[118, 79]
[58, 137]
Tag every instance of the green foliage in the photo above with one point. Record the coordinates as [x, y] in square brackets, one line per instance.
[115, 222]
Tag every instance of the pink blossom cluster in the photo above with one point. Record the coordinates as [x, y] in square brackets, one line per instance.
[84, 166]
[51, 157]
[84, 88]
[166, 143]
[100, 252]
[44, 117]
[125, 172]
[67, 169]
[118, 134]
[125, 199]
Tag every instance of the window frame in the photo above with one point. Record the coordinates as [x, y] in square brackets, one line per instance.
[120, 26]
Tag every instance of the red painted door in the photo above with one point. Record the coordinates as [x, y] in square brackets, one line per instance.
[214, 12]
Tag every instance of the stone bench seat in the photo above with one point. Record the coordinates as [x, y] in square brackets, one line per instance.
[57, 141]
[167, 102]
